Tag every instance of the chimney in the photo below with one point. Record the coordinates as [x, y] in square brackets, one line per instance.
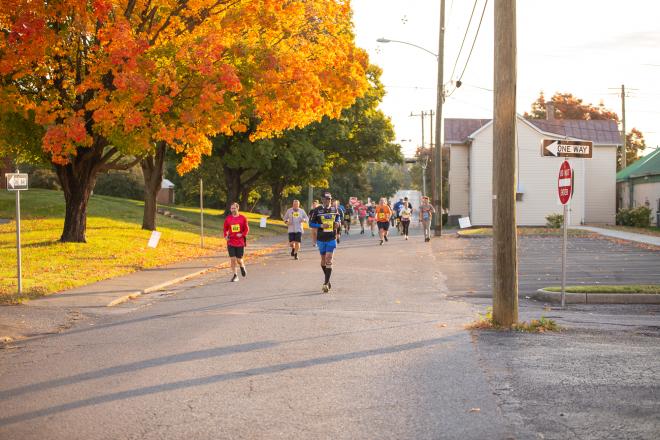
[550, 111]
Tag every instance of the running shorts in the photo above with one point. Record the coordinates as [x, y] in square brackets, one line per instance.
[236, 251]
[384, 225]
[295, 236]
[327, 247]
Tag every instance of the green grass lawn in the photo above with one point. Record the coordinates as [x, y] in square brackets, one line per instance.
[116, 244]
[525, 231]
[630, 288]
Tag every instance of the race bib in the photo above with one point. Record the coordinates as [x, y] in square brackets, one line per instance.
[235, 228]
[425, 215]
[296, 214]
[328, 223]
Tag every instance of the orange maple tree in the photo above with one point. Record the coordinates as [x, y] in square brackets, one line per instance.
[105, 83]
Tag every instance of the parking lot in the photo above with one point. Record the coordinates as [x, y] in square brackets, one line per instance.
[591, 260]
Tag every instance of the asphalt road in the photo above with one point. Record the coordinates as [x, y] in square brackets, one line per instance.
[385, 355]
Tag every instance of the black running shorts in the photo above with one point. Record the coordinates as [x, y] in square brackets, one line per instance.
[295, 236]
[236, 251]
[384, 225]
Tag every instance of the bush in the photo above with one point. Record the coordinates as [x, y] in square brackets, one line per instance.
[44, 178]
[120, 184]
[639, 217]
[554, 220]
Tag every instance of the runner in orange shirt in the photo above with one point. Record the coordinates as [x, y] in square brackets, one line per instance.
[383, 214]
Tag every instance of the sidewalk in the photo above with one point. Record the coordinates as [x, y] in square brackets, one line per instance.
[114, 291]
[630, 236]
[53, 312]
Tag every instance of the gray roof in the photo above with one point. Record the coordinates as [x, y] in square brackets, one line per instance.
[457, 130]
[601, 132]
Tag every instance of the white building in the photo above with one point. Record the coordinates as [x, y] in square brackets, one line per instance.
[471, 171]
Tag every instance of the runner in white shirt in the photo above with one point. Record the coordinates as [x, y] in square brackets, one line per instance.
[294, 218]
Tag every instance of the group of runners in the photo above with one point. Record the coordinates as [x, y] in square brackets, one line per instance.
[326, 220]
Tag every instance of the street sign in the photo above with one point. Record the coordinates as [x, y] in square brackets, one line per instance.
[560, 148]
[16, 181]
[565, 183]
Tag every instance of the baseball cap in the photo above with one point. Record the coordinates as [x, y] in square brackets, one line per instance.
[327, 195]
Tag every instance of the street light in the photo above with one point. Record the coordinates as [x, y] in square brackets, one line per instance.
[440, 96]
[387, 40]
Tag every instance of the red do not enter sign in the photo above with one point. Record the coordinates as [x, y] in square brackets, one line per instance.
[565, 183]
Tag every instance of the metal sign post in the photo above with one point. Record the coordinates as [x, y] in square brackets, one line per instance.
[18, 182]
[201, 209]
[565, 191]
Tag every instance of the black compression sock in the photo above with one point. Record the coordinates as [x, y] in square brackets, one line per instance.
[328, 271]
[323, 269]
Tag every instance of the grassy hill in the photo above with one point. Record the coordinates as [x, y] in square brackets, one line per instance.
[116, 244]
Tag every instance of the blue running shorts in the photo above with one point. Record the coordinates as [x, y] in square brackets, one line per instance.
[326, 247]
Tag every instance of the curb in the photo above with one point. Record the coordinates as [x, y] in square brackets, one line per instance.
[597, 297]
[164, 284]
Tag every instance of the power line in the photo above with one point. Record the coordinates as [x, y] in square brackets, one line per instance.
[458, 82]
[467, 29]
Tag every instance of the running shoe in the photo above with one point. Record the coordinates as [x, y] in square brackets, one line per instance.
[295, 256]
[234, 279]
[381, 242]
[243, 271]
[385, 236]
[325, 288]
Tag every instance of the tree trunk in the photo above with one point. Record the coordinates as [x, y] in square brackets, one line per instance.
[276, 204]
[77, 179]
[233, 184]
[245, 195]
[152, 168]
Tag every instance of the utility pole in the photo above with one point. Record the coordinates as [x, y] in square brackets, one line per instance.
[505, 259]
[623, 127]
[437, 152]
[422, 114]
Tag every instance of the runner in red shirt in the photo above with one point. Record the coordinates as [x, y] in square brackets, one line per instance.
[236, 230]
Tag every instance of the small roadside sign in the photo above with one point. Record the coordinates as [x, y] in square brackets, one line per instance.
[16, 181]
[563, 148]
[565, 183]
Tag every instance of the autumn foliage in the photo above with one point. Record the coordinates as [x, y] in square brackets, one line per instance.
[109, 79]
[136, 72]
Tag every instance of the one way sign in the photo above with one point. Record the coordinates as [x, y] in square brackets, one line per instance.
[561, 148]
[17, 181]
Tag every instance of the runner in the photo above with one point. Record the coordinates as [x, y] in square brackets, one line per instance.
[294, 218]
[397, 215]
[326, 220]
[426, 211]
[348, 218]
[315, 205]
[383, 215]
[342, 215]
[362, 216]
[371, 216]
[405, 215]
[236, 230]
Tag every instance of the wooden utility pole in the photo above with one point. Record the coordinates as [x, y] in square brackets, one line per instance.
[505, 259]
[623, 128]
[437, 152]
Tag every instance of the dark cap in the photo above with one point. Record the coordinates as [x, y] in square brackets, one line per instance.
[327, 195]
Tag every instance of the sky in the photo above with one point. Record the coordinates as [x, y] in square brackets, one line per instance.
[585, 47]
